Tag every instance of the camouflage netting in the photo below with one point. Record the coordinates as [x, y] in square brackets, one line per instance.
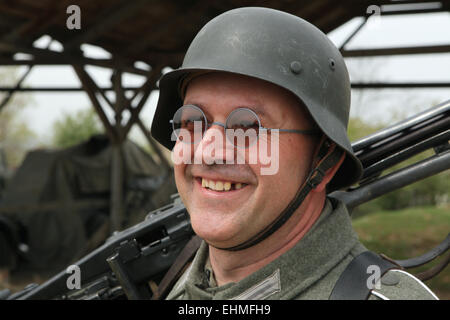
[59, 200]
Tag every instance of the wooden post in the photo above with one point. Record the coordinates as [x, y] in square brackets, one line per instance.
[117, 178]
[117, 213]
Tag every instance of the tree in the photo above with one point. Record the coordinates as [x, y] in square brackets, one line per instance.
[15, 136]
[73, 129]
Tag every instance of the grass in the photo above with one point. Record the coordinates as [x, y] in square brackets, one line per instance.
[408, 233]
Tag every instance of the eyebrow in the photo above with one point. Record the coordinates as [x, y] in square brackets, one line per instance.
[252, 106]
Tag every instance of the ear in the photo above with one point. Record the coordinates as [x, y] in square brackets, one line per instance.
[329, 175]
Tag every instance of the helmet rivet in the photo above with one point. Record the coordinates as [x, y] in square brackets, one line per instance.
[332, 64]
[296, 67]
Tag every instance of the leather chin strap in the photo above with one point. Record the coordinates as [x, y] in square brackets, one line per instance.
[329, 155]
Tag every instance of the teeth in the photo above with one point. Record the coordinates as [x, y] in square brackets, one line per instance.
[219, 185]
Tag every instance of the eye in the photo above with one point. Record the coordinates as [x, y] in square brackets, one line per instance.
[245, 125]
[243, 119]
[187, 117]
[189, 124]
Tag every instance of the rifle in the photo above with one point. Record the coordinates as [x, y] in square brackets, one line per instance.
[132, 261]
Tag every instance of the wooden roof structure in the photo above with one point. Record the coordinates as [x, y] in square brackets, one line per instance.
[158, 32]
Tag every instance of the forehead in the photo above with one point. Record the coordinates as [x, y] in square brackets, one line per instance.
[220, 92]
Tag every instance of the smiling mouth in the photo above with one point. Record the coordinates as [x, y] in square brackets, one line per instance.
[221, 186]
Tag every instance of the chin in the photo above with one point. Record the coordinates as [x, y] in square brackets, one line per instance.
[213, 228]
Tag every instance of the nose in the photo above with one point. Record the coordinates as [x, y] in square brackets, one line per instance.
[214, 148]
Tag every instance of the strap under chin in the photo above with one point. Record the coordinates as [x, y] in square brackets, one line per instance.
[329, 155]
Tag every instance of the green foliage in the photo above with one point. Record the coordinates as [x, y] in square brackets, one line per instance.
[15, 135]
[73, 129]
[358, 128]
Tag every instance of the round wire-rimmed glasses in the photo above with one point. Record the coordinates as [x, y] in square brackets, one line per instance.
[242, 126]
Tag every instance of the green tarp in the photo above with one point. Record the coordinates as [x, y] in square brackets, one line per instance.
[59, 199]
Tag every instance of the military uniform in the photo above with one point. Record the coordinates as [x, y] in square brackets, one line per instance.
[292, 54]
[307, 271]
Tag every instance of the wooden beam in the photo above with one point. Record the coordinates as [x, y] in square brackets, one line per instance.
[412, 11]
[330, 16]
[90, 88]
[353, 34]
[109, 19]
[160, 30]
[354, 53]
[153, 145]
[19, 83]
[400, 85]
[58, 89]
[116, 196]
[146, 89]
[145, 131]
[306, 9]
[332, 24]
[49, 57]
[39, 23]
[119, 103]
[16, 88]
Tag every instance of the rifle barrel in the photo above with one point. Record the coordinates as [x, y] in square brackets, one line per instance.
[441, 110]
[395, 180]
[404, 154]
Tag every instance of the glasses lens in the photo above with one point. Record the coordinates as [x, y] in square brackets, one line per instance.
[186, 121]
[242, 127]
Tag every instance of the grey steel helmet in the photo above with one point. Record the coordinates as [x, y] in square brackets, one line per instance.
[277, 47]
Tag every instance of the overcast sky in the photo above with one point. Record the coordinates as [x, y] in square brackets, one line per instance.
[407, 30]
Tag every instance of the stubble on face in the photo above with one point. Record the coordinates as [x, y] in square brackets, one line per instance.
[229, 218]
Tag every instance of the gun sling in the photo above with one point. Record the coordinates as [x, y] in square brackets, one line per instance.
[351, 285]
[353, 282]
[177, 268]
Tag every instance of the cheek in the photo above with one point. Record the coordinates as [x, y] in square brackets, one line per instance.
[180, 177]
[277, 187]
[294, 157]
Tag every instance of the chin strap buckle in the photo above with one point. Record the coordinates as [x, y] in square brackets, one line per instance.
[315, 177]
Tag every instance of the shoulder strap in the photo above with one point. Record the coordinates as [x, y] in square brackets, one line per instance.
[177, 268]
[352, 284]
[329, 154]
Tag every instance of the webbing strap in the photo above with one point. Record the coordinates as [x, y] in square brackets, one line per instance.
[354, 284]
[177, 268]
[331, 157]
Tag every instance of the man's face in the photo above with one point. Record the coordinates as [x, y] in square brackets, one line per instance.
[227, 218]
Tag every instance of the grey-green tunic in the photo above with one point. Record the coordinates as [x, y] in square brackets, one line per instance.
[307, 271]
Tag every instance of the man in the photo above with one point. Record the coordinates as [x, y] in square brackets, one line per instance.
[254, 79]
